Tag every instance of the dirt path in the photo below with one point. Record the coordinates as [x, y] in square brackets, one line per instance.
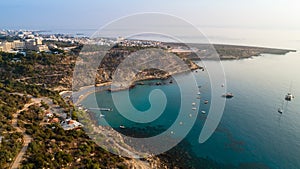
[19, 157]
[27, 138]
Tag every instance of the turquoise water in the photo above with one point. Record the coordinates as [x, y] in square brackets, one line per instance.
[251, 129]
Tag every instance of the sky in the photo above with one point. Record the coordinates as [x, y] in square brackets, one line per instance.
[270, 23]
[91, 14]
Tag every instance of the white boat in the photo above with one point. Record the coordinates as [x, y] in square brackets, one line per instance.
[280, 110]
[289, 97]
[122, 127]
[102, 115]
[194, 108]
[198, 93]
[203, 112]
[194, 104]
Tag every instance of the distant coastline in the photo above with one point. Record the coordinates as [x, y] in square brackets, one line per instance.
[225, 51]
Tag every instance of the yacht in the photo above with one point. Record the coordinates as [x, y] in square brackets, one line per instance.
[289, 97]
[122, 126]
[228, 95]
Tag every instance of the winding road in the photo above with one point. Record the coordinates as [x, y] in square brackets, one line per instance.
[26, 138]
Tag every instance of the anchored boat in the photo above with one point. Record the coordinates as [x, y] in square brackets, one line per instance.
[228, 95]
[289, 97]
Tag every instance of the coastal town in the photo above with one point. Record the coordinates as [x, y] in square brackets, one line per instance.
[20, 41]
[17, 41]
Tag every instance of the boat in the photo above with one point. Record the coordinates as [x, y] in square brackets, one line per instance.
[206, 102]
[280, 110]
[122, 127]
[203, 112]
[194, 104]
[194, 108]
[198, 97]
[199, 93]
[289, 97]
[102, 115]
[228, 95]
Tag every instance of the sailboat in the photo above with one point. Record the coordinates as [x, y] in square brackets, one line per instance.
[289, 96]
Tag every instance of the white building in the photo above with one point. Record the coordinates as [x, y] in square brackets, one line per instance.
[70, 124]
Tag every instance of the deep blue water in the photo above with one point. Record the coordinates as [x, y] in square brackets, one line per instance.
[251, 129]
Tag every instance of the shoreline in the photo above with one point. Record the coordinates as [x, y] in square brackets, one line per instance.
[84, 91]
[99, 86]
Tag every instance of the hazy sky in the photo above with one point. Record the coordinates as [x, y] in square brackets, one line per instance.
[79, 14]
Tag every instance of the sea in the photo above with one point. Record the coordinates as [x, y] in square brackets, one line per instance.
[251, 131]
